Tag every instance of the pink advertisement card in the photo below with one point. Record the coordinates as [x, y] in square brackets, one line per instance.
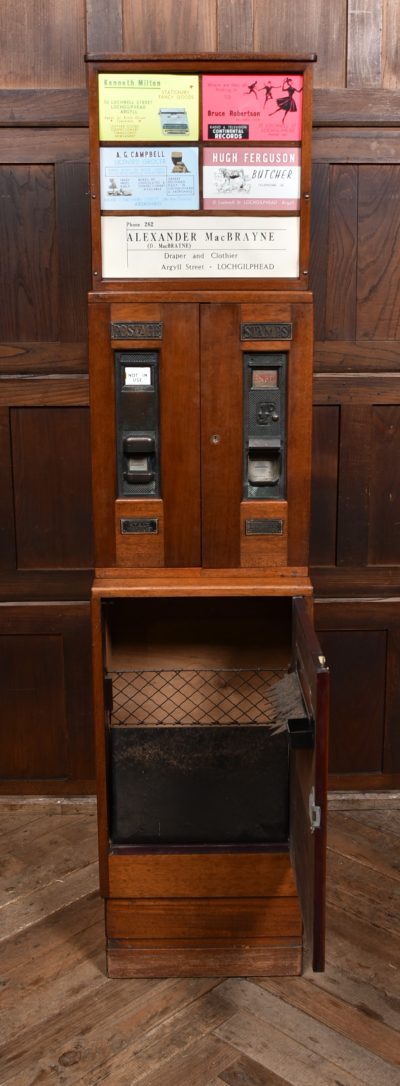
[236, 176]
[252, 107]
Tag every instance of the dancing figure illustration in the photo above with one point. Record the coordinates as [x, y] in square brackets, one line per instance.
[252, 88]
[287, 104]
[268, 87]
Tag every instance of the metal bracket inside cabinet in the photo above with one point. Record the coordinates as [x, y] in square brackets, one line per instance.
[301, 733]
[108, 694]
[314, 812]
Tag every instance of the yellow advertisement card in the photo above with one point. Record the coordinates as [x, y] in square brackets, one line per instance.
[141, 106]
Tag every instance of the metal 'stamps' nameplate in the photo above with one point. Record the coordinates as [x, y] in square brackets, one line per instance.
[264, 526]
[201, 247]
[266, 330]
[148, 106]
[139, 525]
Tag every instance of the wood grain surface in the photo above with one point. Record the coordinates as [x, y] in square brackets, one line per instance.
[46, 702]
[202, 875]
[149, 28]
[64, 1019]
[44, 218]
[31, 56]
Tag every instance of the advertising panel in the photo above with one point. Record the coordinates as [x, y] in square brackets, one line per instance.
[252, 107]
[158, 178]
[251, 178]
[200, 247]
[142, 106]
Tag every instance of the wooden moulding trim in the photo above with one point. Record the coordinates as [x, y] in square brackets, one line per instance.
[54, 390]
[202, 582]
[358, 106]
[365, 584]
[67, 106]
[263, 297]
[45, 586]
[189, 288]
[200, 962]
[44, 358]
[359, 388]
[38, 146]
[365, 612]
[201, 875]
[359, 357]
[188, 58]
[55, 106]
[364, 146]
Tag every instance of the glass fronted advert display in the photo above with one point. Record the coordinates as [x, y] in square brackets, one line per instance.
[226, 144]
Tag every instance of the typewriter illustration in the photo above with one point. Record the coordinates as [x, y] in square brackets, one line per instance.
[174, 122]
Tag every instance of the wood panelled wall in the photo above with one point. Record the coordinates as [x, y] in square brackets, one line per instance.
[45, 526]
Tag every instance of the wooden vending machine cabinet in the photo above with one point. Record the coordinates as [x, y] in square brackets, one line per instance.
[210, 687]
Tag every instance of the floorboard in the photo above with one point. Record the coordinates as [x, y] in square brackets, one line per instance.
[64, 1023]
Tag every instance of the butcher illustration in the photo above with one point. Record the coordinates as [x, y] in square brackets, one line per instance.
[231, 178]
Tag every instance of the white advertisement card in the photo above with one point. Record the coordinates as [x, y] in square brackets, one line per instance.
[200, 247]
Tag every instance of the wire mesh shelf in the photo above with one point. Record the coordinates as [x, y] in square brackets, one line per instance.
[200, 696]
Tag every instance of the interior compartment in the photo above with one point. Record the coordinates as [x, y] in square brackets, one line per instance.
[199, 696]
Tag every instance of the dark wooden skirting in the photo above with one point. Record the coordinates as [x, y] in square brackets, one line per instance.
[188, 962]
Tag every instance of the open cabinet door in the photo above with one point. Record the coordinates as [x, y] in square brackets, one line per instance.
[308, 788]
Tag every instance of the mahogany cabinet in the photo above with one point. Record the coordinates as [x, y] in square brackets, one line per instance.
[204, 354]
[210, 688]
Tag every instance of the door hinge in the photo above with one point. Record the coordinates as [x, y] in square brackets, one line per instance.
[314, 812]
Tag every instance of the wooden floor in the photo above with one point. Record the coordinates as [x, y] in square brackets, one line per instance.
[64, 1022]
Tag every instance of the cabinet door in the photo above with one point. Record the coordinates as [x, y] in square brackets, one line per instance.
[157, 524]
[256, 373]
[308, 806]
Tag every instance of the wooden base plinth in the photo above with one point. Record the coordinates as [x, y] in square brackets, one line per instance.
[266, 961]
[201, 923]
